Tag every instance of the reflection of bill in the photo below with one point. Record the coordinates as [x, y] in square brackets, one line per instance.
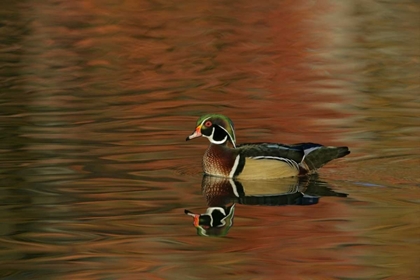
[222, 194]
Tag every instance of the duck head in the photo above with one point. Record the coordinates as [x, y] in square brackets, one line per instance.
[217, 128]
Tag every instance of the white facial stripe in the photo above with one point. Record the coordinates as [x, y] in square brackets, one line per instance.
[231, 211]
[212, 133]
[218, 142]
[233, 130]
[211, 136]
[214, 141]
[211, 209]
[233, 142]
[202, 123]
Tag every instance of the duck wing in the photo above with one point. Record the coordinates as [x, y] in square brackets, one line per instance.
[309, 155]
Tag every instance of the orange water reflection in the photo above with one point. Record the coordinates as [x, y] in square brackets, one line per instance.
[96, 101]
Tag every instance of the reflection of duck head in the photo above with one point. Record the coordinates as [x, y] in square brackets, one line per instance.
[215, 222]
[222, 194]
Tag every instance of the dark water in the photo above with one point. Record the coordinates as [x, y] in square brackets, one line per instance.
[97, 97]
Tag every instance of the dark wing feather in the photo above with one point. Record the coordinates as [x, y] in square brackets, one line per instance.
[314, 155]
[294, 152]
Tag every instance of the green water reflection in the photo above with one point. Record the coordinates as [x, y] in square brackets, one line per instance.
[96, 98]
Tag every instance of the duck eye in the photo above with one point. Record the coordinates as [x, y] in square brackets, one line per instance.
[208, 123]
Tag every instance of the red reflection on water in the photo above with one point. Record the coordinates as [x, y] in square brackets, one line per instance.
[110, 93]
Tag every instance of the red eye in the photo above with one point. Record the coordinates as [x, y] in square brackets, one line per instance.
[208, 123]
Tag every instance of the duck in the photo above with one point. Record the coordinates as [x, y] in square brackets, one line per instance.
[261, 160]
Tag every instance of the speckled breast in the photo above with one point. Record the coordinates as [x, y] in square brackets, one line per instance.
[218, 161]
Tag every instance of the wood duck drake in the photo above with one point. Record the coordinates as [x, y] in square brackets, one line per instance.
[224, 158]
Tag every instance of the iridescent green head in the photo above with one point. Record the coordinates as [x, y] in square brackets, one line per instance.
[217, 128]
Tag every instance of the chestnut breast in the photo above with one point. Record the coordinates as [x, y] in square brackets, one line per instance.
[218, 160]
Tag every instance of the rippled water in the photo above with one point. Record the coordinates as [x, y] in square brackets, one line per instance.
[97, 97]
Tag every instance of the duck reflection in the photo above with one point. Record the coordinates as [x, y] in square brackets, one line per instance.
[215, 222]
[222, 194]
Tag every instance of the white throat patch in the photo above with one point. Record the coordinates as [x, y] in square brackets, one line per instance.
[214, 141]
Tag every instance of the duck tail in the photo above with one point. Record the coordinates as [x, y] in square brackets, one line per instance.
[316, 157]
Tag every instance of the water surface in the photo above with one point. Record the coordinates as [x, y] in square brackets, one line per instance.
[97, 97]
